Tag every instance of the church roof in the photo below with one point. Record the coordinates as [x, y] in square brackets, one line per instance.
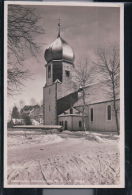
[59, 50]
[96, 93]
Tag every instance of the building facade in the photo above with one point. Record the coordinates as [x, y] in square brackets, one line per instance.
[60, 94]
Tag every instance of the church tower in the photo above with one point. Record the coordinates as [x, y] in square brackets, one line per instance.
[59, 67]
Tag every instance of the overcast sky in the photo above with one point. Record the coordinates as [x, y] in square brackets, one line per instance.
[84, 28]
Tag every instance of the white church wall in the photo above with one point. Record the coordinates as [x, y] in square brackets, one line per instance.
[76, 121]
[72, 122]
[62, 119]
[100, 118]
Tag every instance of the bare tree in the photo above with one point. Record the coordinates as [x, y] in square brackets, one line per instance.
[23, 26]
[84, 76]
[108, 61]
[15, 79]
[21, 104]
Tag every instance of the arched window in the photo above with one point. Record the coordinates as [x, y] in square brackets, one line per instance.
[91, 114]
[71, 111]
[109, 112]
[80, 124]
[67, 73]
[66, 125]
[49, 71]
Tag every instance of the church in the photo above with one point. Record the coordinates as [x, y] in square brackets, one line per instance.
[61, 99]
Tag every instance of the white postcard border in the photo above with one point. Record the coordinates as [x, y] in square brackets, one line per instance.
[122, 125]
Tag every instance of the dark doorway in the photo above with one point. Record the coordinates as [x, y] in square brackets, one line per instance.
[66, 125]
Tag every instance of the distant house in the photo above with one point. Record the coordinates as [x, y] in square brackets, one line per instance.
[34, 112]
[37, 114]
[17, 121]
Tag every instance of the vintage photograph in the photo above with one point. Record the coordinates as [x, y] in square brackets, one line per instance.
[64, 95]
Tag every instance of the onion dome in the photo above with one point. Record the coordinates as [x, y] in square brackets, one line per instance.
[59, 50]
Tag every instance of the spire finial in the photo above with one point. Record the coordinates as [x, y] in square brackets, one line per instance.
[59, 26]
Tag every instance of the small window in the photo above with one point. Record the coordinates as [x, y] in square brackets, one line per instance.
[71, 111]
[49, 71]
[80, 124]
[67, 73]
[91, 114]
[108, 112]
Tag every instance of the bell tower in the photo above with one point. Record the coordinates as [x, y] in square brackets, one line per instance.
[59, 67]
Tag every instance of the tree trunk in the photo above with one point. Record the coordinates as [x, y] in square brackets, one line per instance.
[116, 118]
[84, 106]
[115, 106]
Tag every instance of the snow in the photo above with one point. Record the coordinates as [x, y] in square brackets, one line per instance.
[27, 138]
[67, 158]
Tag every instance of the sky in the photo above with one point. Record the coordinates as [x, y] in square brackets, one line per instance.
[84, 28]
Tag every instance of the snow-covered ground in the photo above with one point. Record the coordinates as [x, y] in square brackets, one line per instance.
[67, 158]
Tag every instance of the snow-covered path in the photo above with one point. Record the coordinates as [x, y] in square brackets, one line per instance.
[64, 160]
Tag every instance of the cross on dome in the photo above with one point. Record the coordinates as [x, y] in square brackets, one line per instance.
[59, 49]
[59, 28]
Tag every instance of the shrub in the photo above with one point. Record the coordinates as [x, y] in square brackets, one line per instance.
[27, 120]
[10, 124]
